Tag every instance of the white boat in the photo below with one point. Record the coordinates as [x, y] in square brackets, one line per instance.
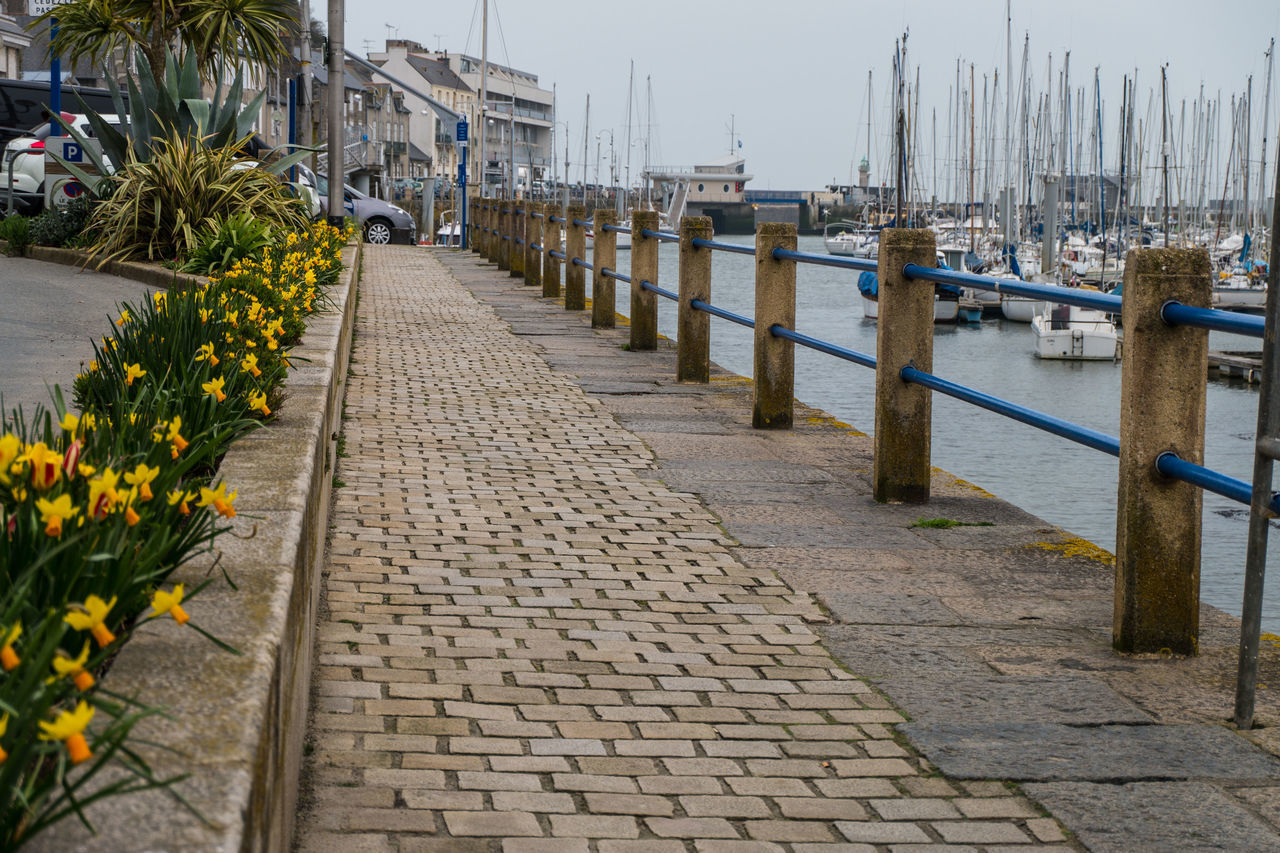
[450, 231]
[1021, 309]
[945, 308]
[1069, 332]
[850, 240]
[1237, 291]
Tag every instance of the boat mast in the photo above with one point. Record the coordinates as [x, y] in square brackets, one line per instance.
[627, 189]
[586, 137]
[973, 242]
[1164, 147]
[1007, 215]
[1266, 118]
[899, 135]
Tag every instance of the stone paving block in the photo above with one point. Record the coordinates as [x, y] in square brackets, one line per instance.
[493, 824]
[594, 826]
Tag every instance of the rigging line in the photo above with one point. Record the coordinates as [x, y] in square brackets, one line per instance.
[471, 29]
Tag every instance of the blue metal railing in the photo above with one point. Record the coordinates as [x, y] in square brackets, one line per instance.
[822, 346]
[699, 305]
[662, 236]
[616, 229]
[723, 247]
[582, 223]
[864, 264]
[1177, 314]
[653, 288]
[538, 246]
[608, 273]
[1171, 465]
[579, 262]
[557, 255]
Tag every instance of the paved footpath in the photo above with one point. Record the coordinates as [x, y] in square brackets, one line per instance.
[529, 643]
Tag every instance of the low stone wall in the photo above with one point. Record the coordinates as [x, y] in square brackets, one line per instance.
[236, 723]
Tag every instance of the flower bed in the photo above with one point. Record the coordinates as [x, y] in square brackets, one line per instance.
[110, 517]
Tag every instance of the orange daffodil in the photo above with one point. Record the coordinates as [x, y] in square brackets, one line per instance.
[132, 372]
[258, 403]
[125, 317]
[219, 499]
[65, 665]
[170, 603]
[91, 616]
[141, 477]
[8, 657]
[214, 388]
[174, 435]
[180, 499]
[69, 728]
[206, 354]
[249, 364]
[4, 727]
[54, 512]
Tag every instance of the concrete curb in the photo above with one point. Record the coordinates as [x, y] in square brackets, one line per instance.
[150, 274]
[236, 724]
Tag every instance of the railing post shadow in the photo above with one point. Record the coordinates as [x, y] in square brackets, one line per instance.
[532, 234]
[604, 256]
[693, 328]
[644, 267]
[550, 243]
[575, 246]
[504, 233]
[1162, 408]
[904, 336]
[519, 215]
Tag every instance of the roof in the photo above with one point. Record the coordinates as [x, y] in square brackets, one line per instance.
[437, 73]
[13, 33]
[320, 72]
[417, 154]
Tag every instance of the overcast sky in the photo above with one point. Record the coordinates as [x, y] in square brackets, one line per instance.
[793, 74]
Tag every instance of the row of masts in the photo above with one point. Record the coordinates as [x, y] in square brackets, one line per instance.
[1197, 165]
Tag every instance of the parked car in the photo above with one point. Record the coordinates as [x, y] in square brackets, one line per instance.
[28, 168]
[381, 221]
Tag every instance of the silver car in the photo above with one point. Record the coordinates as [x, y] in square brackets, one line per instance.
[381, 221]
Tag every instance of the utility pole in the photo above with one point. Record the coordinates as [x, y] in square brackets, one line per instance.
[337, 148]
[304, 81]
[484, 96]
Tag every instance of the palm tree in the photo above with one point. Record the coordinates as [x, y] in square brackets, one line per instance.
[214, 29]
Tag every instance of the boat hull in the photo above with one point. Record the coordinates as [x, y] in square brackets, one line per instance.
[1020, 309]
[1070, 333]
[944, 310]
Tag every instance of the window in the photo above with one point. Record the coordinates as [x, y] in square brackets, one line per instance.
[701, 187]
[726, 187]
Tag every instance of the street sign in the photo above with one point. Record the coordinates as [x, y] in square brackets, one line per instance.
[39, 7]
[460, 135]
[60, 185]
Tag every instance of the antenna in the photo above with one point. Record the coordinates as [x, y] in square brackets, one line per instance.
[437, 37]
[392, 31]
[368, 45]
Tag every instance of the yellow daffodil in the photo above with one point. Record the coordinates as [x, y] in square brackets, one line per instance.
[69, 423]
[249, 364]
[8, 657]
[65, 665]
[170, 602]
[159, 299]
[54, 512]
[175, 436]
[141, 477]
[125, 317]
[220, 500]
[103, 494]
[132, 372]
[206, 354]
[91, 616]
[258, 402]
[131, 516]
[89, 421]
[205, 314]
[46, 465]
[214, 388]
[10, 447]
[69, 728]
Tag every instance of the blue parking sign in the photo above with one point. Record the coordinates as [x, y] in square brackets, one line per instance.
[72, 152]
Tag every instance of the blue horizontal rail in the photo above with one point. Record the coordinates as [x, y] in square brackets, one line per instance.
[539, 216]
[863, 264]
[608, 273]
[662, 236]
[707, 307]
[823, 346]
[538, 246]
[1015, 287]
[1171, 465]
[557, 255]
[723, 247]
[1177, 314]
[653, 288]
[582, 223]
[1057, 426]
[579, 262]
[617, 229]
[519, 242]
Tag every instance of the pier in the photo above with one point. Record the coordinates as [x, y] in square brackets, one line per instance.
[590, 606]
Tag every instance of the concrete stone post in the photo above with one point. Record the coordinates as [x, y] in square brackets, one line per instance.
[774, 395]
[486, 240]
[904, 336]
[504, 233]
[532, 235]
[519, 222]
[575, 246]
[693, 328]
[1162, 407]
[644, 267]
[604, 256]
[473, 223]
[550, 243]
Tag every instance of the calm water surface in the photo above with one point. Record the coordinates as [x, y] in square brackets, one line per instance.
[1065, 483]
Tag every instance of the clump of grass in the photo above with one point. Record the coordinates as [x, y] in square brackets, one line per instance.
[947, 523]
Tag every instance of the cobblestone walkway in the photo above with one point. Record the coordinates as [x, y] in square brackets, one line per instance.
[529, 643]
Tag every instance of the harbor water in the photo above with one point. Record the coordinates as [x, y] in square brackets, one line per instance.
[1067, 484]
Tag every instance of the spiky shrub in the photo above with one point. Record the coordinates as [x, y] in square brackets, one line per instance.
[156, 208]
[227, 240]
[62, 226]
[15, 230]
